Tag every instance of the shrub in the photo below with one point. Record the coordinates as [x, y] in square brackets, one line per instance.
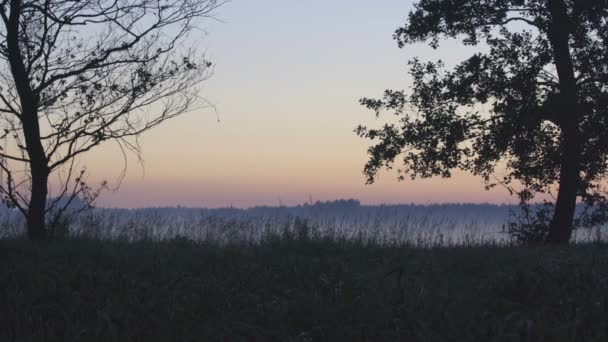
[531, 226]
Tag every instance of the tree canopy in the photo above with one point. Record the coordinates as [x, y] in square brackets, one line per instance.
[532, 101]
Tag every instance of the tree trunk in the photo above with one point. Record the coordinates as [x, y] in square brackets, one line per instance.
[560, 28]
[36, 223]
[29, 100]
[560, 230]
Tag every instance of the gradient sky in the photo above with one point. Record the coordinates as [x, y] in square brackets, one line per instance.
[288, 77]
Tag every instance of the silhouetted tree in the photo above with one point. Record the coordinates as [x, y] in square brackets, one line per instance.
[77, 73]
[533, 99]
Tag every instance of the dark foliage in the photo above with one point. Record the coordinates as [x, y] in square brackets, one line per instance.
[299, 288]
[532, 101]
[531, 224]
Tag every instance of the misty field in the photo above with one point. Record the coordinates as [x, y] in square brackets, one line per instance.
[414, 225]
[331, 272]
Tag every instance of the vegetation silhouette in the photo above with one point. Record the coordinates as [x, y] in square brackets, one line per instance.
[541, 72]
[77, 73]
[297, 287]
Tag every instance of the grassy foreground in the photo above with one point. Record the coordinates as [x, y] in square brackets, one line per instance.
[300, 290]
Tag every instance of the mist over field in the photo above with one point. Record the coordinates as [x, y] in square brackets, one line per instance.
[415, 224]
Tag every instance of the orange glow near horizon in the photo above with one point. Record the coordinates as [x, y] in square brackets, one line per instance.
[287, 100]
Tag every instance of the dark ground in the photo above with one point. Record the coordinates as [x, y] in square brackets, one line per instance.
[290, 289]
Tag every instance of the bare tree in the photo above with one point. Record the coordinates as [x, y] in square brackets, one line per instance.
[77, 73]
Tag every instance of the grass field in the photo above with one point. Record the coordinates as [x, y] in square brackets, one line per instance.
[290, 288]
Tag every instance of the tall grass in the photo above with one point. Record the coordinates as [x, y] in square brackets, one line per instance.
[272, 275]
[383, 225]
[297, 286]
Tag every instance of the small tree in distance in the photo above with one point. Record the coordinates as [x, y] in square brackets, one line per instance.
[77, 73]
[542, 75]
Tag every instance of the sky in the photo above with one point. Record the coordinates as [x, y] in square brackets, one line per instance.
[288, 76]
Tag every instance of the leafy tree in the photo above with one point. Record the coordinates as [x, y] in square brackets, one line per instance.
[533, 100]
[77, 73]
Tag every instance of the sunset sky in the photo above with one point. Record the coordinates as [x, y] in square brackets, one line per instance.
[287, 80]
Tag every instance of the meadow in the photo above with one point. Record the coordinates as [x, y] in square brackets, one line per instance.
[273, 276]
[419, 225]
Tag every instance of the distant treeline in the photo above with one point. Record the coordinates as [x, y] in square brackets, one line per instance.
[345, 210]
